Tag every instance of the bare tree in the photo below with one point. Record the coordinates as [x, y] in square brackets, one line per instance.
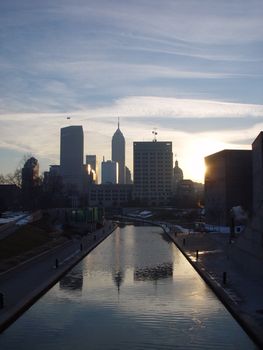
[15, 178]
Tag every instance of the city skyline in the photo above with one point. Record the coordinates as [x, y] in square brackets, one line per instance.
[191, 69]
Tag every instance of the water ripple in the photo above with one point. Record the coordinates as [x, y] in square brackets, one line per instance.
[134, 291]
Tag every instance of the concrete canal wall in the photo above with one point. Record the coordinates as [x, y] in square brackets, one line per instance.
[210, 256]
[22, 285]
[241, 296]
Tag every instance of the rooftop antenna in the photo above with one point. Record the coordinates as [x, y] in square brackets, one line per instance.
[154, 132]
[118, 122]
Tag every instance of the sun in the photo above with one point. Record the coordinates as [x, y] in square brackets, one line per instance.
[197, 150]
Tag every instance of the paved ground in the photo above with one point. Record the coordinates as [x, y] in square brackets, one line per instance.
[22, 285]
[242, 294]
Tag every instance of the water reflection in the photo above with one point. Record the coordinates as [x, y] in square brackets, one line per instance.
[118, 274]
[120, 307]
[118, 279]
[164, 270]
[72, 281]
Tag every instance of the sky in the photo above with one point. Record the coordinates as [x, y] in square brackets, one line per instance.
[192, 69]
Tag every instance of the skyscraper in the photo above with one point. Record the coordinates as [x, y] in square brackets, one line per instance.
[118, 153]
[30, 173]
[91, 160]
[30, 183]
[71, 156]
[153, 167]
[109, 172]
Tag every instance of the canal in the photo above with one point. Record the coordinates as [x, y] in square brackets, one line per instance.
[134, 291]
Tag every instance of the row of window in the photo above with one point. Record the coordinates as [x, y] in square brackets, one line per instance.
[121, 198]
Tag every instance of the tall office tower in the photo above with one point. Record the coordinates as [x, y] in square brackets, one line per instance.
[118, 153]
[153, 169]
[91, 160]
[30, 183]
[109, 172]
[30, 174]
[71, 156]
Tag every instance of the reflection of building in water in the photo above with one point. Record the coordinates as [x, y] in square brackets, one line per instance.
[118, 274]
[154, 273]
[72, 281]
[118, 279]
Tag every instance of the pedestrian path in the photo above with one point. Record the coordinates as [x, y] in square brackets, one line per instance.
[241, 293]
[21, 286]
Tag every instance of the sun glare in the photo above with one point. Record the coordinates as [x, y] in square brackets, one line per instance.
[197, 150]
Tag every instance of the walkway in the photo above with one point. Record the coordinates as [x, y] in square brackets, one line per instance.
[241, 294]
[21, 286]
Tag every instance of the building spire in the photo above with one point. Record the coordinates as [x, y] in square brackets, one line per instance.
[118, 122]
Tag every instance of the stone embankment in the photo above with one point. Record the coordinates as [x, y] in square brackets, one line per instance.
[23, 284]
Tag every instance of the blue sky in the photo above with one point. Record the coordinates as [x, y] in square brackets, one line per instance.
[191, 68]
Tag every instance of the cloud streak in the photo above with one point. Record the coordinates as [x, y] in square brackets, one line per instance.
[191, 68]
[152, 106]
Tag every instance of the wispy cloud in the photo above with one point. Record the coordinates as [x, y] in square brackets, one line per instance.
[152, 106]
[183, 66]
[201, 21]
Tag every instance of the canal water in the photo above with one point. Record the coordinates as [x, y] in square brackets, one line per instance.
[134, 291]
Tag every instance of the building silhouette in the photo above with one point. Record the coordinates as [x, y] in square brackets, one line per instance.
[91, 162]
[52, 181]
[30, 183]
[9, 197]
[257, 156]
[247, 251]
[52, 188]
[109, 172]
[118, 154]
[177, 176]
[89, 176]
[228, 183]
[153, 167]
[109, 195]
[71, 157]
[30, 174]
[128, 180]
